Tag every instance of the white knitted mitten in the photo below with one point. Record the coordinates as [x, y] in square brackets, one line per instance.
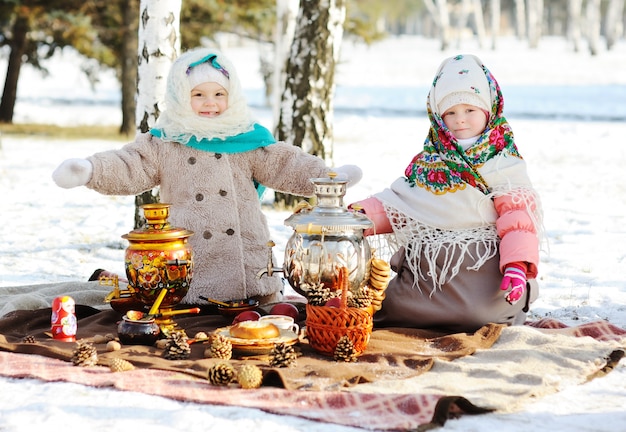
[72, 173]
[351, 173]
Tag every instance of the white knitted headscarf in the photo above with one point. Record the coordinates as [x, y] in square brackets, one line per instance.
[460, 80]
[179, 123]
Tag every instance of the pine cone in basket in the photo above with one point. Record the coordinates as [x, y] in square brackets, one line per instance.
[362, 299]
[250, 376]
[221, 374]
[316, 294]
[282, 355]
[345, 350]
[85, 354]
[220, 348]
[177, 347]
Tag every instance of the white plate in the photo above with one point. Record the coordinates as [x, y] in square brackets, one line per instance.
[257, 346]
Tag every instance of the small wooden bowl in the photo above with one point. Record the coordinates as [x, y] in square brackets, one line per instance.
[235, 307]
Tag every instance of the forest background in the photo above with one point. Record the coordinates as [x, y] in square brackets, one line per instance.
[300, 43]
[105, 32]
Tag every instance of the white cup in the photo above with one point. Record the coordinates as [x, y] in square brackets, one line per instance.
[283, 322]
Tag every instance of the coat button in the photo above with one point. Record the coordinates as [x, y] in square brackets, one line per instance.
[199, 197]
[191, 160]
[218, 155]
[230, 231]
[223, 192]
[207, 235]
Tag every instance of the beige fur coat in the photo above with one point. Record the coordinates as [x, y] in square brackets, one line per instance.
[213, 195]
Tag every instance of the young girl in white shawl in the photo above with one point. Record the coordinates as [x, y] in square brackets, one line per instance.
[210, 159]
[465, 216]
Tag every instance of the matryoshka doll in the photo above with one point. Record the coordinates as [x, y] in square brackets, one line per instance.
[63, 319]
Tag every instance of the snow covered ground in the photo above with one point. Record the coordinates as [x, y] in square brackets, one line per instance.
[569, 117]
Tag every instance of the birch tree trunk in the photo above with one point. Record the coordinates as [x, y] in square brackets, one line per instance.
[480, 23]
[159, 45]
[495, 22]
[462, 22]
[593, 15]
[306, 108]
[614, 24]
[441, 17]
[286, 13]
[520, 19]
[535, 20]
[574, 10]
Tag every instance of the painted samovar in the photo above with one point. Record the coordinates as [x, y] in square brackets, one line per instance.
[159, 261]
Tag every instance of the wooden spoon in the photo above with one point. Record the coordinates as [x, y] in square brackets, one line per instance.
[141, 316]
[217, 302]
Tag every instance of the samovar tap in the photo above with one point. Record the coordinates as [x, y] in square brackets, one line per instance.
[270, 270]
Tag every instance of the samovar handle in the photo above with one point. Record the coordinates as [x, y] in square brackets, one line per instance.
[177, 262]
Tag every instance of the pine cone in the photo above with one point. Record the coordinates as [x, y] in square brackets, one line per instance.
[362, 299]
[29, 339]
[282, 355]
[220, 348]
[177, 347]
[250, 376]
[344, 351]
[120, 365]
[85, 354]
[316, 294]
[221, 374]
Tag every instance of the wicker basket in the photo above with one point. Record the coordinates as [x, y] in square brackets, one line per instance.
[326, 325]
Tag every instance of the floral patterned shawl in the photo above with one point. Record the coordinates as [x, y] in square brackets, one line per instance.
[443, 205]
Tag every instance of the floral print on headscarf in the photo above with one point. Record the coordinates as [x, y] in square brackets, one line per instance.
[443, 166]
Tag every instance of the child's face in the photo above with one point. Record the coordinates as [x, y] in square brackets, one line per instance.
[465, 121]
[209, 99]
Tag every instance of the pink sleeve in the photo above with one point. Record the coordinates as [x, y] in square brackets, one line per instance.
[374, 210]
[519, 241]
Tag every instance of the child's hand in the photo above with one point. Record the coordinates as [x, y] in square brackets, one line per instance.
[72, 173]
[515, 279]
[351, 173]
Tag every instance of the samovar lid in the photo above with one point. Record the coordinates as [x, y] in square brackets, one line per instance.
[329, 214]
[157, 227]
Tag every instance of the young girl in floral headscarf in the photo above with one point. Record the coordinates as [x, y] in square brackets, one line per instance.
[209, 158]
[465, 216]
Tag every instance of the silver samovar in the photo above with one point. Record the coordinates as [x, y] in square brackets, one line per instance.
[326, 238]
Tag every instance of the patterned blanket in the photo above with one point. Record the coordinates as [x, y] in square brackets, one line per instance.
[406, 379]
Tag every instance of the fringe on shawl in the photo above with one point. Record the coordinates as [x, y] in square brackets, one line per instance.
[383, 246]
[422, 241]
[451, 246]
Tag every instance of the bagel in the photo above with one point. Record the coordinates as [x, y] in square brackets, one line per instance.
[379, 277]
[380, 264]
[379, 282]
[380, 272]
[254, 330]
[377, 285]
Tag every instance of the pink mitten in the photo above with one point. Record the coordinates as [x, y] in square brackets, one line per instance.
[515, 279]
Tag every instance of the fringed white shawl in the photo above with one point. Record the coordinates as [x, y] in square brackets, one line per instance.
[443, 208]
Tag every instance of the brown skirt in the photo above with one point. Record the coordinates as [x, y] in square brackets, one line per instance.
[464, 304]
